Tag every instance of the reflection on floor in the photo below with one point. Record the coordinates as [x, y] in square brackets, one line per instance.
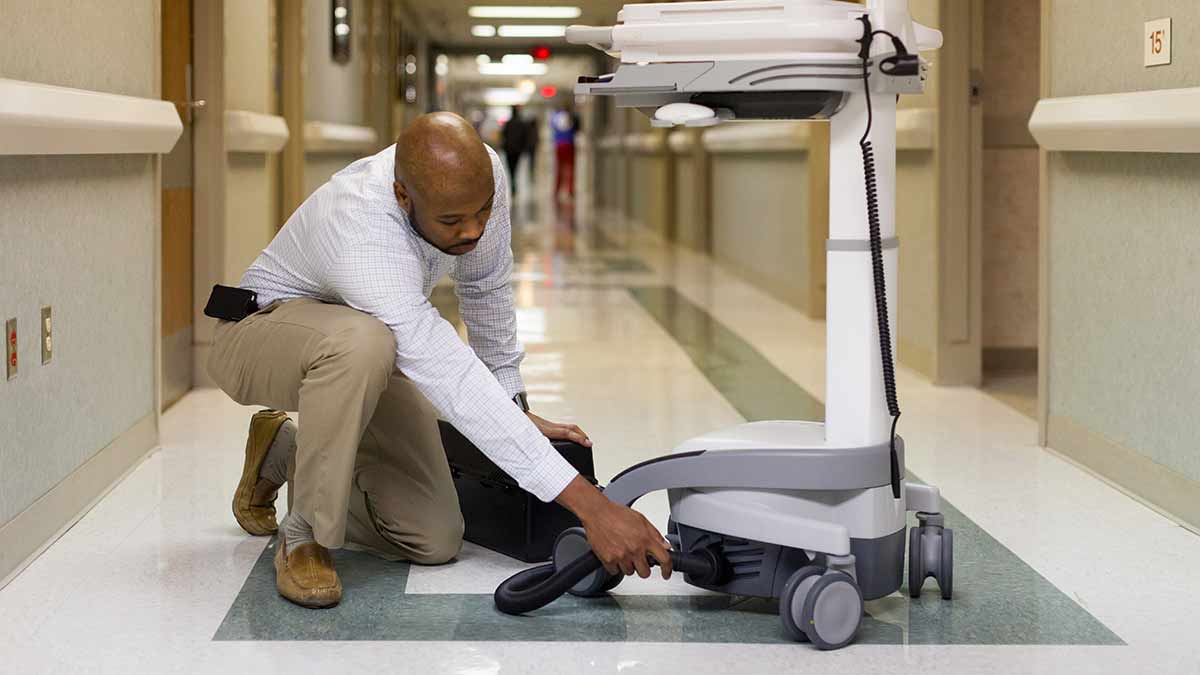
[644, 345]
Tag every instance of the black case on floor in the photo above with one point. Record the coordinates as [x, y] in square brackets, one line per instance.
[500, 515]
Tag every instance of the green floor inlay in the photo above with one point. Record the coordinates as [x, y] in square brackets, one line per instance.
[755, 387]
[999, 600]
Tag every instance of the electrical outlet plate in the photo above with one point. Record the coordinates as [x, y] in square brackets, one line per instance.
[10, 347]
[47, 340]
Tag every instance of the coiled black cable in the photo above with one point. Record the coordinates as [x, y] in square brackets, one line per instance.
[537, 587]
[876, 243]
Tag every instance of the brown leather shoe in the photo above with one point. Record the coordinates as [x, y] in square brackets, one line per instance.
[254, 499]
[306, 576]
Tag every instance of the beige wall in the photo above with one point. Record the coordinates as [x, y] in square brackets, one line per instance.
[917, 226]
[1011, 76]
[760, 219]
[1123, 366]
[78, 233]
[652, 201]
[333, 92]
[251, 185]
[691, 223]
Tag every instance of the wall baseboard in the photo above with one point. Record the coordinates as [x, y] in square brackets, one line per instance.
[1158, 487]
[32, 531]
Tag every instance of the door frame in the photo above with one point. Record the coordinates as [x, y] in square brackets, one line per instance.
[208, 172]
[958, 358]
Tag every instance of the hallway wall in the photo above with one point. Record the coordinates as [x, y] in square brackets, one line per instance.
[333, 92]
[251, 182]
[917, 226]
[78, 233]
[1123, 250]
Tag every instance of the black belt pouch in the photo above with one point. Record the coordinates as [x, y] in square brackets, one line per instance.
[231, 304]
[498, 514]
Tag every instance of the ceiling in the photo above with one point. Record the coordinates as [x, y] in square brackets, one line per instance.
[448, 25]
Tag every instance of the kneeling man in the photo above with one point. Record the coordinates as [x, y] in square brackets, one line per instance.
[346, 336]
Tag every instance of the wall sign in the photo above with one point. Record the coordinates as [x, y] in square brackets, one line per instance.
[1156, 42]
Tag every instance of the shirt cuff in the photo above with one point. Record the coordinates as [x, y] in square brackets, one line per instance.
[510, 380]
[551, 477]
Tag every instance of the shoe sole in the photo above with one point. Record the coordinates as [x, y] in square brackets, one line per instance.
[254, 458]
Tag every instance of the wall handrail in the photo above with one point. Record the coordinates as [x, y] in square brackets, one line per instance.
[1164, 120]
[44, 119]
[609, 142]
[330, 137]
[249, 131]
[787, 136]
[645, 142]
[915, 128]
[682, 141]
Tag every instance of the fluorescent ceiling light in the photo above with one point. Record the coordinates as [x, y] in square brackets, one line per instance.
[512, 69]
[531, 30]
[504, 96]
[482, 59]
[483, 31]
[523, 12]
[526, 87]
[517, 58]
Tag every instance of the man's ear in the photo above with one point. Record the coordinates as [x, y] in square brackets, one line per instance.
[402, 195]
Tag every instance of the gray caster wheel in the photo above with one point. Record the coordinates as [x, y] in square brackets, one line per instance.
[572, 543]
[791, 600]
[931, 554]
[821, 606]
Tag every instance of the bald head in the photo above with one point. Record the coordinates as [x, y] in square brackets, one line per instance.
[441, 152]
[444, 181]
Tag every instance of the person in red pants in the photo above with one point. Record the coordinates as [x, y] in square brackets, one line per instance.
[565, 124]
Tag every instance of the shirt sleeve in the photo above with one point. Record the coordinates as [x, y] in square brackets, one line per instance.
[384, 281]
[485, 296]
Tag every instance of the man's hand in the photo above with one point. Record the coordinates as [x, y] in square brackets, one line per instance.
[560, 432]
[620, 537]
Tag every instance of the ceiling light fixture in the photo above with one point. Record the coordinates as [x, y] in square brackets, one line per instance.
[531, 30]
[483, 30]
[512, 69]
[523, 12]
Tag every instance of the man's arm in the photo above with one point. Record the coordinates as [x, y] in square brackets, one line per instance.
[485, 296]
[380, 279]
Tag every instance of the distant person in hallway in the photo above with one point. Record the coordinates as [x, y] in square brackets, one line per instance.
[348, 338]
[515, 140]
[565, 124]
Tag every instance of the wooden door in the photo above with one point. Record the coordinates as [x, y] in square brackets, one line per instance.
[176, 350]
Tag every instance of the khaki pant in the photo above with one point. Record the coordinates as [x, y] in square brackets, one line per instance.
[370, 471]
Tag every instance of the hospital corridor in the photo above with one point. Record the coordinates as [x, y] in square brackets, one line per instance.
[729, 336]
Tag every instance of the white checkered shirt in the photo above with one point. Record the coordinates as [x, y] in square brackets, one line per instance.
[350, 243]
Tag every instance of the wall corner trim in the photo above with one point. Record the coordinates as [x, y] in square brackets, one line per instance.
[43, 119]
[33, 530]
[1163, 120]
[1158, 487]
[248, 131]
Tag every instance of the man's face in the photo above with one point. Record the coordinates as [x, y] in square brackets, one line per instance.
[452, 218]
